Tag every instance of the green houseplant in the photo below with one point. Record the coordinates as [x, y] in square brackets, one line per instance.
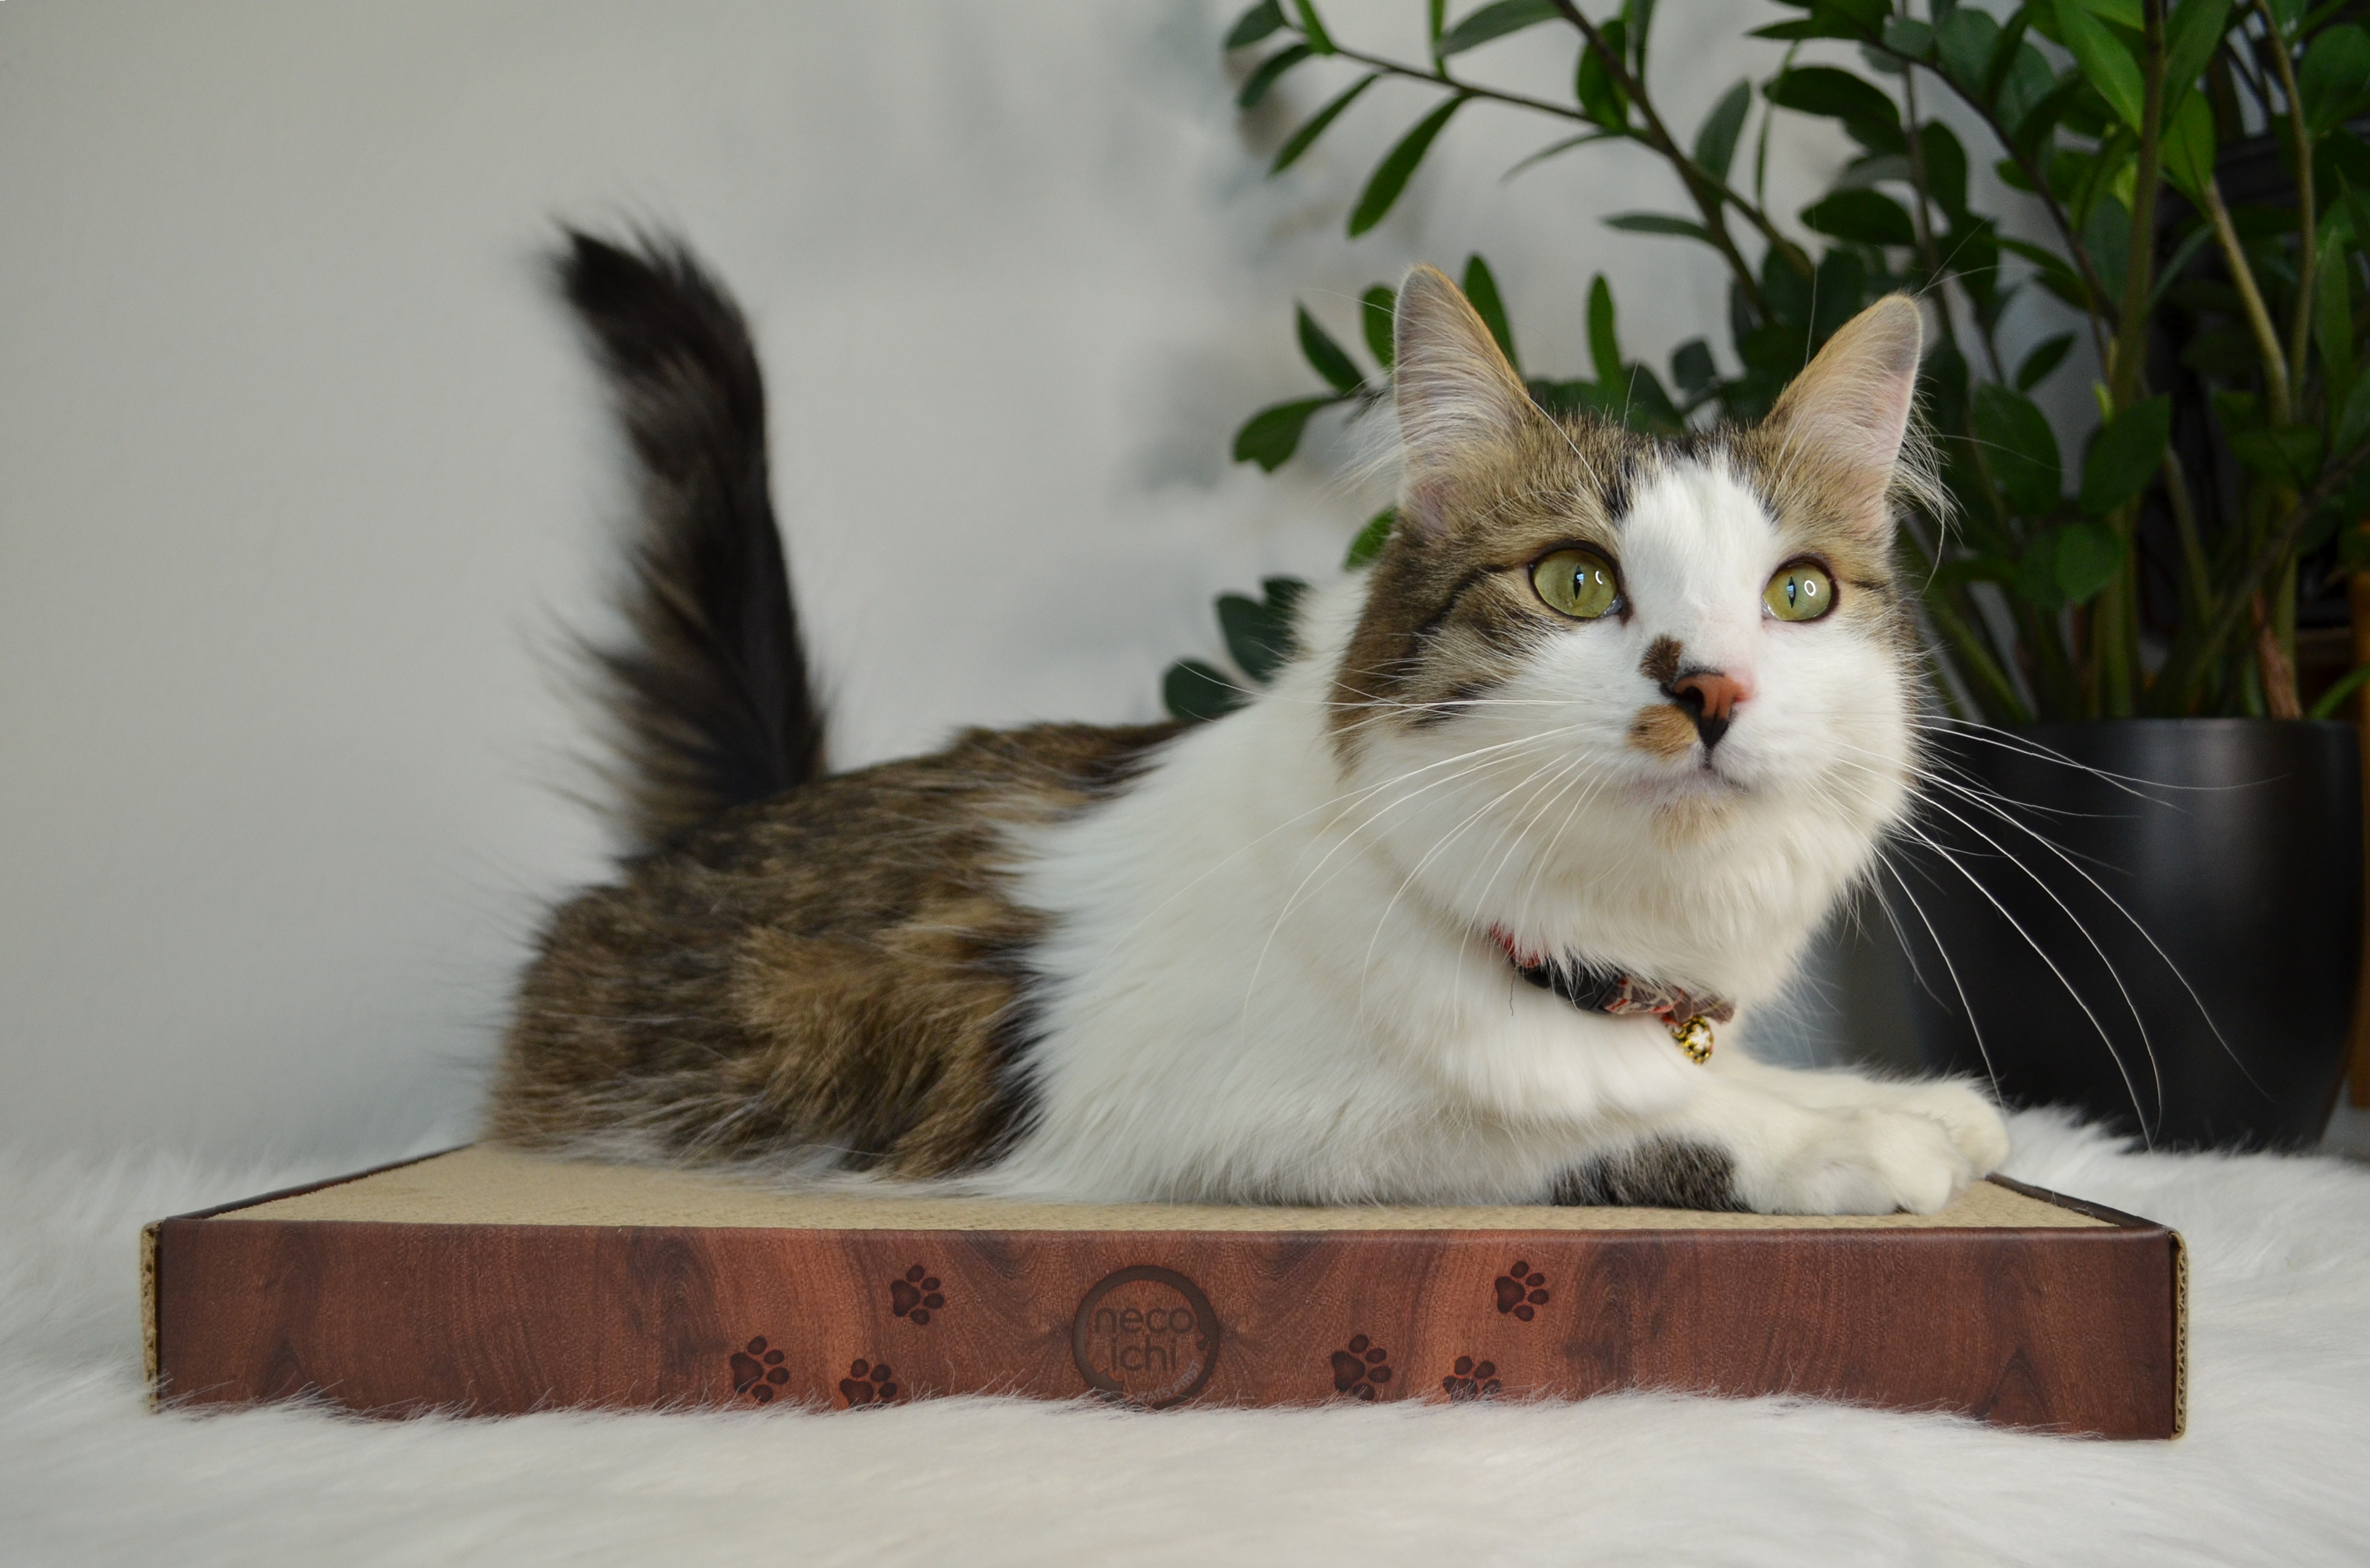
[2155, 566]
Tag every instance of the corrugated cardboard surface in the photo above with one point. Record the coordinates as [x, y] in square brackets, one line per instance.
[488, 1185]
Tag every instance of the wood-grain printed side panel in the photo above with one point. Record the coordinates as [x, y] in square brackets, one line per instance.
[2069, 1330]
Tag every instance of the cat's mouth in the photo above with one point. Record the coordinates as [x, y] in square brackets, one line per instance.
[1705, 780]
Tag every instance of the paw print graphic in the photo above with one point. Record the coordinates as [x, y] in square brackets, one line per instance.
[916, 1296]
[1519, 1291]
[868, 1382]
[1472, 1380]
[1358, 1371]
[757, 1371]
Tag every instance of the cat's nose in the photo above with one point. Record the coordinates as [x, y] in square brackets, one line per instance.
[1711, 698]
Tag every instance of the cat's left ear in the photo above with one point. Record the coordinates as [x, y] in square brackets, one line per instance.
[1844, 423]
[1457, 395]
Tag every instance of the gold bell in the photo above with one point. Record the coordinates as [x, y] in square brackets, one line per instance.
[1694, 1036]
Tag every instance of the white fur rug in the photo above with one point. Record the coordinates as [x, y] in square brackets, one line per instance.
[2275, 1468]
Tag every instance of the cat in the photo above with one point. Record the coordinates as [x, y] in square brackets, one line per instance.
[1473, 905]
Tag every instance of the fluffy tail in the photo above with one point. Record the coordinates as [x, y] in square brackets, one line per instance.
[710, 692]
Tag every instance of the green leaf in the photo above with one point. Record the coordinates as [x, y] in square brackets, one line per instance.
[1481, 290]
[2036, 572]
[1946, 168]
[1306, 137]
[1868, 115]
[1839, 291]
[1271, 436]
[1371, 540]
[2335, 77]
[1658, 224]
[1601, 97]
[2034, 100]
[2332, 313]
[1494, 20]
[2019, 448]
[2088, 556]
[1255, 24]
[1964, 43]
[1390, 175]
[1640, 16]
[1553, 148]
[2325, 706]
[1692, 368]
[1942, 386]
[2289, 455]
[2044, 357]
[1195, 692]
[1716, 138]
[2104, 59]
[1645, 406]
[1258, 640]
[2121, 13]
[2125, 454]
[1825, 25]
[2057, 274]
[1841, 19]
[1379, 317]
[1907, 35]
[2188, 154]
[2354, 424]
[1326, 356]
[1256, 84]
[1319, 39]
[1860, 217]
[1282, 594]
[1603, 341]
[2190, 35]
[2108, 237]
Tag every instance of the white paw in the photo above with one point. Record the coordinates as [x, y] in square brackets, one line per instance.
[1868, 1160]
[1976, 1128]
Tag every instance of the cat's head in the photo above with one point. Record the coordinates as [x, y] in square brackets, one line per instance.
[1651, 694]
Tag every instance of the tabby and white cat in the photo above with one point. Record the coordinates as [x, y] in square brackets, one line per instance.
[1550, 796]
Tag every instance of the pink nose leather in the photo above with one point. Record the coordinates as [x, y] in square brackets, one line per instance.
[1719, 694]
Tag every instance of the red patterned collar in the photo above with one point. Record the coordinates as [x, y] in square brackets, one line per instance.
[1688, 1016]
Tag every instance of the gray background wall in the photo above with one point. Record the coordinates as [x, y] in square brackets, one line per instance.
[300, 472]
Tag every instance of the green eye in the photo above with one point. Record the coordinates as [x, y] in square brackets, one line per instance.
[1800, 592]
[1578, 583]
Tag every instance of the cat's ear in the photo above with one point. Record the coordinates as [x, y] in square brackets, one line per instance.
[1454, 390]
[1844, 423]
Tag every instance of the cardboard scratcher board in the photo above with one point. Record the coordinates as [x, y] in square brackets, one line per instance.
[488, 1281]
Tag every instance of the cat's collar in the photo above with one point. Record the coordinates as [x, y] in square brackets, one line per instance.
[1689, 1017]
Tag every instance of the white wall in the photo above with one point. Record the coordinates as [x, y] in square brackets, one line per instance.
[300, 471]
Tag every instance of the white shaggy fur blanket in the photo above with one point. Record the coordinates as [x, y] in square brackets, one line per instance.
[2275, 1467]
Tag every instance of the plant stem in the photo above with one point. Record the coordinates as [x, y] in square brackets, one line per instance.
[2197, 576]
[2127, 379]
[2175, 686]
[1441, 78]
[2300, 333]
[2273, 665]
[1976, 662]
[2115, 628]
[2091, 282]
[1923, 210]
[1710, 196]
[2259, 318]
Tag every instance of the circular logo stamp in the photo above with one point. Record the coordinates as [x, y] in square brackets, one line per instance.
[1147, 1335]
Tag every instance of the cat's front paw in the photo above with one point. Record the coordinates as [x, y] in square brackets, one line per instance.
[1976, 1128]
[1868, 1160]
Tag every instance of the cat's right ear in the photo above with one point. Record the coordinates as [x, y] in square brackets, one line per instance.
[1455, 391]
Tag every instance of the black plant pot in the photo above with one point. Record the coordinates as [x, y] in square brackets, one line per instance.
[2225, 853]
